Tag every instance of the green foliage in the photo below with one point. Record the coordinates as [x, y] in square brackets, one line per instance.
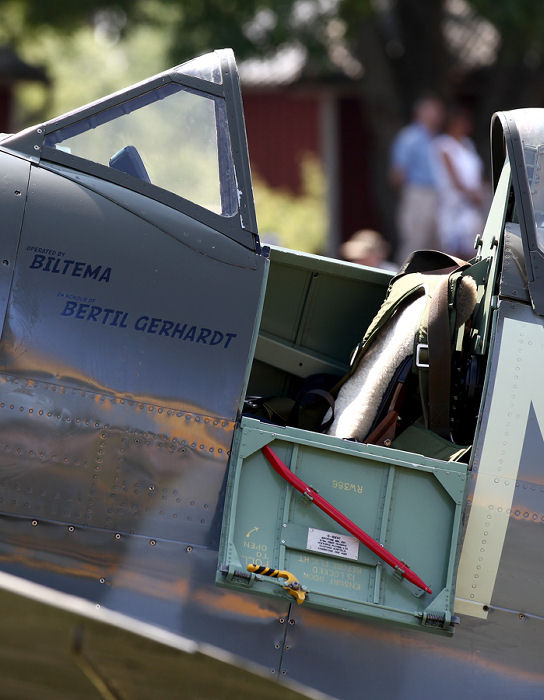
[13, 24]
[86, 66]
[250, 27]
[64, 15]
[525, 16]
[254, 27]
[92, 47]
[520, 22]
[290, 221]
[64, 31]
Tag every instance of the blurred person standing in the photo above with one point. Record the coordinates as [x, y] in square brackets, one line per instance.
[413, 175]
[460, 186]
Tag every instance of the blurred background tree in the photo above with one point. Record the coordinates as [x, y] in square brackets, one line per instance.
[294, 221]
[489, 53]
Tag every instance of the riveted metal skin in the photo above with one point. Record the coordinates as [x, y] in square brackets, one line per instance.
[130, 322]
[129, 328]
[513, 282]
[108, 426]
[521, 567]
[13, 191]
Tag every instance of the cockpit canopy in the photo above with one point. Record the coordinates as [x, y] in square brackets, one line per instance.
[170, 137]
[519, 136]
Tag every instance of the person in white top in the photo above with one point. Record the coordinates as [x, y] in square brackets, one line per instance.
[460, 188]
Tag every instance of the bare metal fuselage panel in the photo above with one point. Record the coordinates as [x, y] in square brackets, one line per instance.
[131, 302]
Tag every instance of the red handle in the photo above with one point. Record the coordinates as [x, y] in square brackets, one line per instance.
[378, 549]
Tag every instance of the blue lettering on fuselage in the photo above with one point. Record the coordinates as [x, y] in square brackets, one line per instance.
[72, 268]
[97, 314]
[183, 331]
[149, 325]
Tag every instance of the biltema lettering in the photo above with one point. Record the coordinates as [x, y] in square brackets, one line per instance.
[73, 268]
[148, 324]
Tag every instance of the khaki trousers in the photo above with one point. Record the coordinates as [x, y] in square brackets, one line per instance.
[416, 221]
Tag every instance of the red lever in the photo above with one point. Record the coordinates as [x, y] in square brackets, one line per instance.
[378, 549]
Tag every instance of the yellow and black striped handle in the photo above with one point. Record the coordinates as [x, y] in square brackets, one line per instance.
[292, 586]
[267, 571]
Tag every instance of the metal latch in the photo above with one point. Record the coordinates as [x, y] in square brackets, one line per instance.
[292, 586]
[440, 619]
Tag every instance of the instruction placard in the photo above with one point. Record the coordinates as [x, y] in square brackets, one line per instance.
[333, 543]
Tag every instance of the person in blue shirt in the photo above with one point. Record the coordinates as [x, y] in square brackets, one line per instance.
[413, 175]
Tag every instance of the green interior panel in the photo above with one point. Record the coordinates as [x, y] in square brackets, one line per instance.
[315, 311]
[411, 504]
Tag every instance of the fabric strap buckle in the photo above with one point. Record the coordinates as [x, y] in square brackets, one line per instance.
[419, 361]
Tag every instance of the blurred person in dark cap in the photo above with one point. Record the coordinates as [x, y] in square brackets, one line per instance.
[368, 247]
[413, 175]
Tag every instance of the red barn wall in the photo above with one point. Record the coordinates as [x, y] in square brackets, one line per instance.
[283, 126]
[281, 129]
[5, 108]
[357, 208]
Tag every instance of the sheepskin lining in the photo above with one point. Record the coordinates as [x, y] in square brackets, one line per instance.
[360, 397]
